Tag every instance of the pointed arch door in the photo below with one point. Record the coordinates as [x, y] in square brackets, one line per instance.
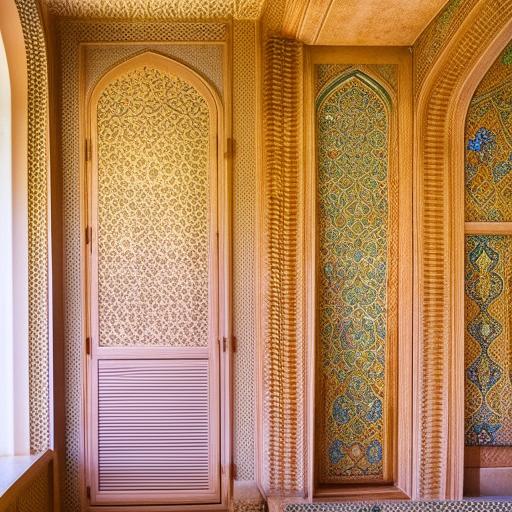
[154, 179]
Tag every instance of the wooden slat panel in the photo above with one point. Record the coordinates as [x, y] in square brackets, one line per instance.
[153, 426]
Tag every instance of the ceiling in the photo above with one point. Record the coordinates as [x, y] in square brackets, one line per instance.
[361, 22]
[177, 9]
[325, 22]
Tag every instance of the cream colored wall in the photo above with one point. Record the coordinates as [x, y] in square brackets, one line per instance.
[15, 190]
[6, 291]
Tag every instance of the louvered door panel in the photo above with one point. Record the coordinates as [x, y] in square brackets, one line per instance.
[153, 432]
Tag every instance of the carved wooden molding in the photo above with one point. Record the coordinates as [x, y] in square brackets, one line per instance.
[303, 19]
[439, 274]
[281, 408]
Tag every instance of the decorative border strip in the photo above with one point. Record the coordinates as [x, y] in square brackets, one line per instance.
[244, 208]
[436, 36]
[282, 433]
[37, 119]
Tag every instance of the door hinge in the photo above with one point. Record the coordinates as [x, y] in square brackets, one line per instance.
[88, 492]
[88, 345]
[88, 150]
[88, 235]
[226, 344]
[230, 148]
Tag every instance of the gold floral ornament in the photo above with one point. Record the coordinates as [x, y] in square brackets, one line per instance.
[153, 208]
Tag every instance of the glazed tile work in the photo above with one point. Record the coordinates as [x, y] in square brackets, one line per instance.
[352, 300]
[153, 211]
[436, 37]
[405, 506]
[325, 73]
[489, 145]
[487, 340]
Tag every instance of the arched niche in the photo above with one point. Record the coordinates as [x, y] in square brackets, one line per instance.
[357, 192]
[442, 105]
[488, 247]
[356, 298]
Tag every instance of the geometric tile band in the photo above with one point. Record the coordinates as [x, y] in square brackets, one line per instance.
[436, 36]
[38, 494]
[151, 9]
[410, 506]
[488, 145]
[35, 46]
[352, 300]
[70, 34]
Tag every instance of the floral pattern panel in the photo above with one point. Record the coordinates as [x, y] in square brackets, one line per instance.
[153, 209]
[488, 351]
[354, 309]
[489, 145]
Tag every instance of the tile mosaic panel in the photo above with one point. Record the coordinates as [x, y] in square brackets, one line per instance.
[488, 346]
[488, 165]
[353, 306]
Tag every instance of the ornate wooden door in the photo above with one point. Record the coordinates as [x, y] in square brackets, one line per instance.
[153, 378]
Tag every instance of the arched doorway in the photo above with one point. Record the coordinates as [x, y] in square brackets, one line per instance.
[157, 287]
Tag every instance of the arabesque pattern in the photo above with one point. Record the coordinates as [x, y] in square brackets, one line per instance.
[489, 145]
[153, 208]
[439, 443]
[487, 340]
[353, 272]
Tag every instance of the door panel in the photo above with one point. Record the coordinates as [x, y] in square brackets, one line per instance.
[154, 404]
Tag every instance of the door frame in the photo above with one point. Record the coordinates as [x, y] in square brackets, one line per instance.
[402, 369]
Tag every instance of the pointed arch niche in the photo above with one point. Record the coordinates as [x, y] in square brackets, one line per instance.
[488, 301]
[359, 273]
[157, 279]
